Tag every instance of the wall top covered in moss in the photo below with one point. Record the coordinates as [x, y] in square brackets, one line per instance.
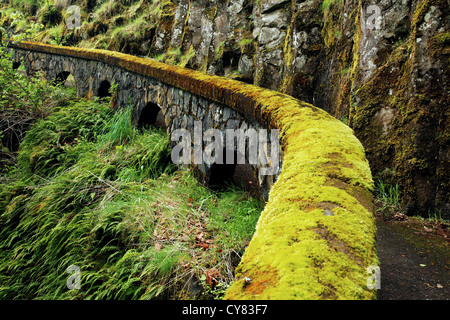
[235, 94]
[316, 236]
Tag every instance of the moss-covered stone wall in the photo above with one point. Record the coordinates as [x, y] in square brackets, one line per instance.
[321, 52]
[316, 236]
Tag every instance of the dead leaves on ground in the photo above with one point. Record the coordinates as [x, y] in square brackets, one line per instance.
[188, 226]
[191, 229]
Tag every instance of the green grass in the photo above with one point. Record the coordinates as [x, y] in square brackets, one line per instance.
[436, 216]
[387, 199]
[389, 194]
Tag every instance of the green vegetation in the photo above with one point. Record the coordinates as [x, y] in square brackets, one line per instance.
[49, 15]
[389, 206]
[23, 101]
[388, 194]
[137, 27]
[87, 188]
[387, 199]
[327, 3]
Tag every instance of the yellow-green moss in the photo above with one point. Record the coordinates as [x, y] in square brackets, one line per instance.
[297, 252]
[290, 233]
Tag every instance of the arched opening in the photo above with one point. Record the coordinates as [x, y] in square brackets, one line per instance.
[16, 65]
[103, 89]
[221, 175]
[151, 115]
[64, 78]
[234, 174]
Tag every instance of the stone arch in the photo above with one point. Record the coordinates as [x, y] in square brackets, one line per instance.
[16, 65]
[103, 89]
[221, 175]
[64, 78]
[151, 115]
[241, 175]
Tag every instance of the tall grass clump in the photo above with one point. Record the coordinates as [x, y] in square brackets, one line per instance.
[387, 199]
[29, 6]
[389, 194]
[119, 130]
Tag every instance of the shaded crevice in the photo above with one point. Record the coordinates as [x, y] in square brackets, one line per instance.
[61, 78]
[151, 115]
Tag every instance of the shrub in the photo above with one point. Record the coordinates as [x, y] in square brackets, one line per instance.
[49, 15]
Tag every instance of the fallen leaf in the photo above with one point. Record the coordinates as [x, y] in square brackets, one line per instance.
[199, 236]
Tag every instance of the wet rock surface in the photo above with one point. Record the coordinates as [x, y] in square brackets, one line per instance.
[379, 66]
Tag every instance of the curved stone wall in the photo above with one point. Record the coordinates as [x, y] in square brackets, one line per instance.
[315, 238]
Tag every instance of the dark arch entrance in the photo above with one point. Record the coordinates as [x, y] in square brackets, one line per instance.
[221, 175]
[16, 65]
[151, 115]
[239, 175]
[64, 78]
[103, 89]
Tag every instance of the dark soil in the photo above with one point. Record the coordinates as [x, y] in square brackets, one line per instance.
[414, 260]
[414, 253]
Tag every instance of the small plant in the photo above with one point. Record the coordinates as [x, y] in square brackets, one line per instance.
[219, 50]
[184, 60]
[337, 34]
[245, 41]
[326, 4]
[344, 120]
[435, 215]
[215, 290]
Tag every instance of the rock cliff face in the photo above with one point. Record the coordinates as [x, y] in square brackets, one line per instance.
[380, 66]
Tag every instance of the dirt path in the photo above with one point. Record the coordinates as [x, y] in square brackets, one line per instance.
[415, 262]
[414, 254]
